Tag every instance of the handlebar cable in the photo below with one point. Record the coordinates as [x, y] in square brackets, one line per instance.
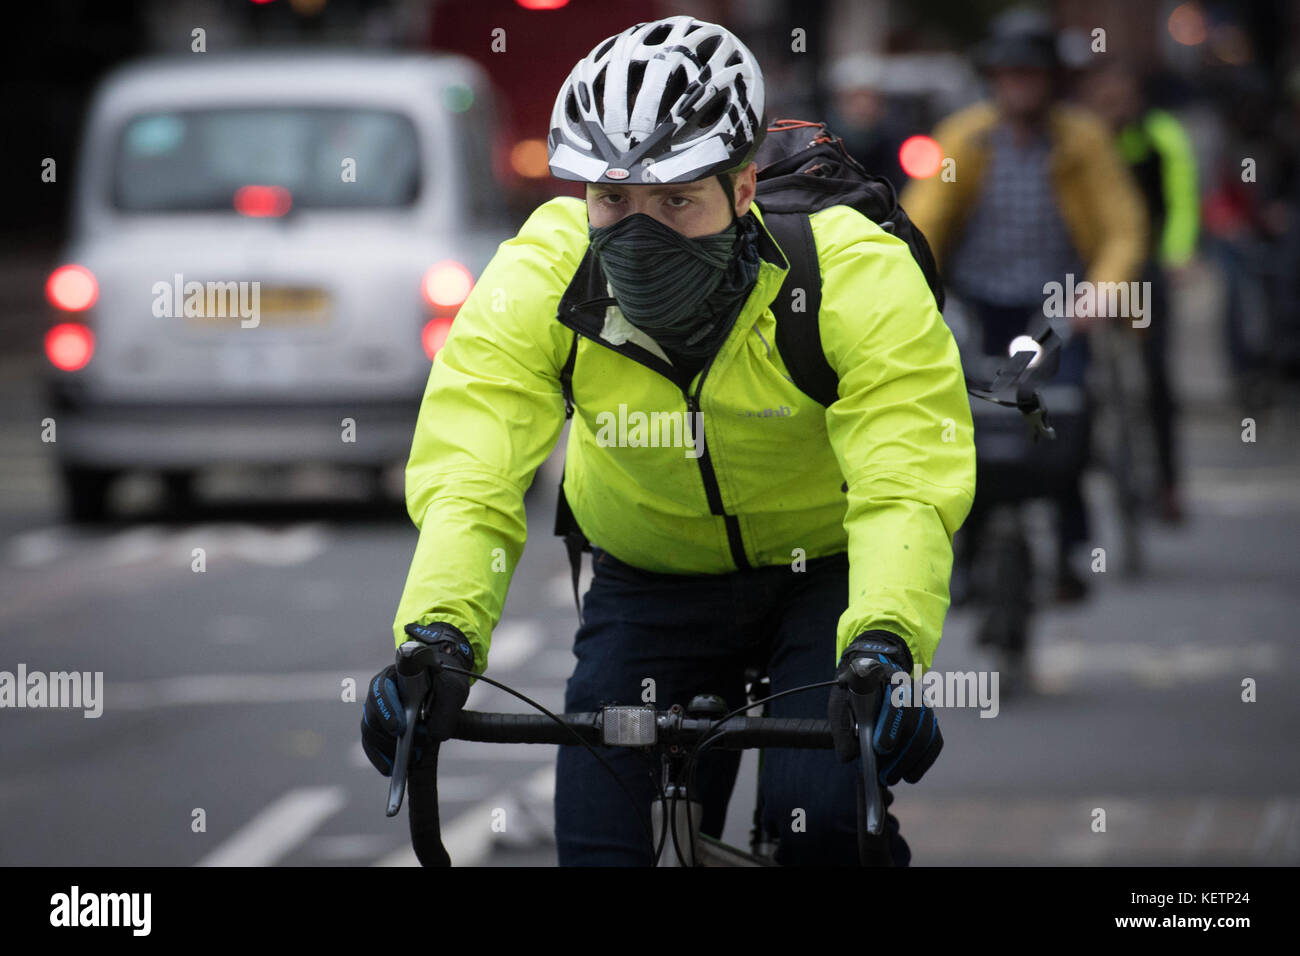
[650, 839]
[663, 812]
[710, 737]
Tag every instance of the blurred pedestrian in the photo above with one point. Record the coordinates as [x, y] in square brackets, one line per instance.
[860, 116]
[1249, 208]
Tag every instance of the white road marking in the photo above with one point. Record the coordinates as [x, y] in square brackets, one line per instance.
[356, 846]
[32, 549]
[469, 837]
[134, 546]
[278, 829]
[272, 688]
[1058, 663]
[513, 644]
[294, 544]
[1199, 830]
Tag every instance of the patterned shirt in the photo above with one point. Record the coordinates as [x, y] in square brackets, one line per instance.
[1014, 239]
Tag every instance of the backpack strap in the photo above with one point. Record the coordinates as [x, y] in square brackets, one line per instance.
[566, 377]
[566, 526]
[798, 337]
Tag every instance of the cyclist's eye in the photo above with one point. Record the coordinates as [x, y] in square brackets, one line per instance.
[678, 202]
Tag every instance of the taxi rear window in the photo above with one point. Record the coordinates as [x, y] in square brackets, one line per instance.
[324, 158]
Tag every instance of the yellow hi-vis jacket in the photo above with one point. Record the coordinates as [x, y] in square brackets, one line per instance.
[886, 473]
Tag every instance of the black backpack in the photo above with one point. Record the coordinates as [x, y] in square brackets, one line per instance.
[804, 168]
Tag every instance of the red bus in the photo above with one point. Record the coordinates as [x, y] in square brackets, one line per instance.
[527, 48]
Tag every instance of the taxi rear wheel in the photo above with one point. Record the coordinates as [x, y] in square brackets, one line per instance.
[178, 491]
[86, 492]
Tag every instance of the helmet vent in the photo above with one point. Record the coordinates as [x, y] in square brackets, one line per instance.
[708, 115]
[734, 58]
[673, 91]
[598, 93]
[658, 35]
[705, 49]
[635, 73]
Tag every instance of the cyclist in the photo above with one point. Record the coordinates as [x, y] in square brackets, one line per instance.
[776, 531]
[1040, 194]
[1159, 153]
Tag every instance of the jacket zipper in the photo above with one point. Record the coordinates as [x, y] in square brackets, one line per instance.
[712, 492]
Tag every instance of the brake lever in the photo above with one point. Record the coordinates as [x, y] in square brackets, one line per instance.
[865, 695]
[413, 659]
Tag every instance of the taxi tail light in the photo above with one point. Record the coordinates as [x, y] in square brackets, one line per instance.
[446, 285]
[72, 288]
[434, 335]
[69, 346]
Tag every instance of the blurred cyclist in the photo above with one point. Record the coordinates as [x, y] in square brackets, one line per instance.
[652, 298]
[1159, 154]
[1039, 193]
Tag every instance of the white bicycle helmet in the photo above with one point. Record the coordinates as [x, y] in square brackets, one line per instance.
[670, 101]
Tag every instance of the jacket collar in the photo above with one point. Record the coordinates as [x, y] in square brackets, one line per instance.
[588, 308]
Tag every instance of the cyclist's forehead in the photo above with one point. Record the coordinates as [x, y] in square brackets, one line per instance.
[653, 190]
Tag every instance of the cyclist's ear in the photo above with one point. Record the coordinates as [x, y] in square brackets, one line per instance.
[744, 184]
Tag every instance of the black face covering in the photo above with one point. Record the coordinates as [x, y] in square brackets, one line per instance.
[684, 293]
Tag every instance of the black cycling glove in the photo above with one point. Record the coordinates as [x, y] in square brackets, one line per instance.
[907, 738]
[383, 717]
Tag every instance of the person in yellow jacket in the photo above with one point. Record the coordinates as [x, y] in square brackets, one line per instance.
[732, 519]
[1037, 200]
[1158, 151]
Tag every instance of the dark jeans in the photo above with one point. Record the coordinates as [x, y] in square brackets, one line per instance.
[695, 634]
[1155, 360]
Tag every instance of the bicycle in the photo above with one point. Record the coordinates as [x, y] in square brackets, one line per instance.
[1014, 466]
[678, 735]
[1124, 440]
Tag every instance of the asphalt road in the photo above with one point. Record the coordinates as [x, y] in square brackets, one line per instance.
[225, 691]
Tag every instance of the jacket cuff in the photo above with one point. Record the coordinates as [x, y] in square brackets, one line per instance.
[439, 632]
[900, 651]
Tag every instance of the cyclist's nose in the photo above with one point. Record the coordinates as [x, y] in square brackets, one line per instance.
[648, 207]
